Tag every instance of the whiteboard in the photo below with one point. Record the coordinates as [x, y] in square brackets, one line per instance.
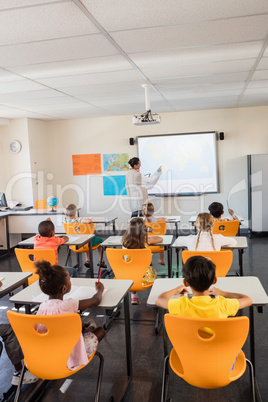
[189, 162]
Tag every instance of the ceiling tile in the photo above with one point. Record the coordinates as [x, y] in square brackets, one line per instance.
[198, 34]
[140, 13]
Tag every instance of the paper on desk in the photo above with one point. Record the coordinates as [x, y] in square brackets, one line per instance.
[115, 240]
[73, 239]
[77, 292]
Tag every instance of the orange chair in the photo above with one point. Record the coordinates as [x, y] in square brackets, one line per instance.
[46, 355]
[134, 267]
[222, 259]
[79, 228]
[26, 258]
[158, 229]
[41, 204]
[226, 228]
[206, 361]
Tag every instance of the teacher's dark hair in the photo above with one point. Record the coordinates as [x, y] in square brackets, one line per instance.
[133, 161]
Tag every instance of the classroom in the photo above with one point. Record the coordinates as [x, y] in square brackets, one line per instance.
[72, 76]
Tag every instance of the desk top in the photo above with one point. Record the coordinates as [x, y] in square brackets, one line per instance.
[117, 241]
[248, 285]
[12, 280]
[117, 289]
[241, 243]
[193, 218]
[75, 240]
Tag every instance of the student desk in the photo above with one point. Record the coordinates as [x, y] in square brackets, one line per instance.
[241, 245]
[117, 290]
[116, 241]
[107, 221]
[248, 285]
[12, 281]
[80, 241]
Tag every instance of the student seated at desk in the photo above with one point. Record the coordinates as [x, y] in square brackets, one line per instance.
[204, 240]
[71, 217]
[148, 213]
[216, 210]
[199, 274]
[136, 237]
[54, 281]
[47, 240]
[15, 354]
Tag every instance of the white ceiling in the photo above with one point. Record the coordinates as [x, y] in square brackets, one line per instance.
[62, 59]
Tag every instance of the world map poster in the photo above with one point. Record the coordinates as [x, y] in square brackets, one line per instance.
[115, 162]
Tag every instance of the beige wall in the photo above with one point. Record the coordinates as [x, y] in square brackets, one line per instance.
[52, 144]
[16, 169]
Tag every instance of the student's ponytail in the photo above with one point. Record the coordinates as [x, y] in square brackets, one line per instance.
[51, 277]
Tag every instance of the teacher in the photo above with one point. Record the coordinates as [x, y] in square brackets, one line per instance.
[137, 185]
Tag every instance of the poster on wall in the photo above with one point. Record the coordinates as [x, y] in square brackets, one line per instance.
[115, 162]
[114, 185]
[86, 164]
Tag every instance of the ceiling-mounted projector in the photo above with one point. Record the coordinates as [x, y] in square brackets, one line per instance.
[148, 117]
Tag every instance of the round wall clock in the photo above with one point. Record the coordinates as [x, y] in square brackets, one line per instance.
[15, 146]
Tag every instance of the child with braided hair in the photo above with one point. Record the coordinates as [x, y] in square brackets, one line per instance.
[204, 240]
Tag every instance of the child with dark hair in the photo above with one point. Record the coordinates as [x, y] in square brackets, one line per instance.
[54, 281]
[47, 240]
[216, 210]
[207, 302]
[136, 237]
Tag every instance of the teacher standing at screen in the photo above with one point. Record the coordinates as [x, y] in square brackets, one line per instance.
[137, 185]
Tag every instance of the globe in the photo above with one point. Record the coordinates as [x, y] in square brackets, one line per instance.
[52, 201]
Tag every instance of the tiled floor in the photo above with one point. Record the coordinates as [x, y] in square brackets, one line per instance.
[147, 351]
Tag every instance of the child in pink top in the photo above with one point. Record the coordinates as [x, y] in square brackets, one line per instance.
[54, 281]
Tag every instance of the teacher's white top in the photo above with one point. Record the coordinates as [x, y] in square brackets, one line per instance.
[137, 185]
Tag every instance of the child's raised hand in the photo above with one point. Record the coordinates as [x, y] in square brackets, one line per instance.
[99, 286]
[48, 219]
[231, 211]
[1, 284]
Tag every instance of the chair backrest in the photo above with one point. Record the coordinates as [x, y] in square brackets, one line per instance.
[130, 264]
[27, 257]
[41, 204]
[158, 228]
[203, 361]
[222, 259]
[226, 228]
[46, 355]
[79, 228]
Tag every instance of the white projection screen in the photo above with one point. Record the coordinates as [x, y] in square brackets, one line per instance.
[189, 163]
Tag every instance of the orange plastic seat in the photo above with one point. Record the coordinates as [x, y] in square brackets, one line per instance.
[226, 228]
[206, 360]
[133, 266]
[158, 229]
[80, 228]
[222, 259]
[41, 204]
[46, 355]
[27, 258]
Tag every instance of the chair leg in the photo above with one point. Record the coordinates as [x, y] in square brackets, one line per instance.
[68, 255]
[252, 379]
[164, 391]
[97, 396]
[20, 383]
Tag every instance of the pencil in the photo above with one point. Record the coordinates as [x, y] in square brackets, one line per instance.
[99, 276]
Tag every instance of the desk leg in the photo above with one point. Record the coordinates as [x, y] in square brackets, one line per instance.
[128, 335]
[240, 257]
[176, 230]
[252, 337]
[169, 254]
[91, 260]
[114, 228]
